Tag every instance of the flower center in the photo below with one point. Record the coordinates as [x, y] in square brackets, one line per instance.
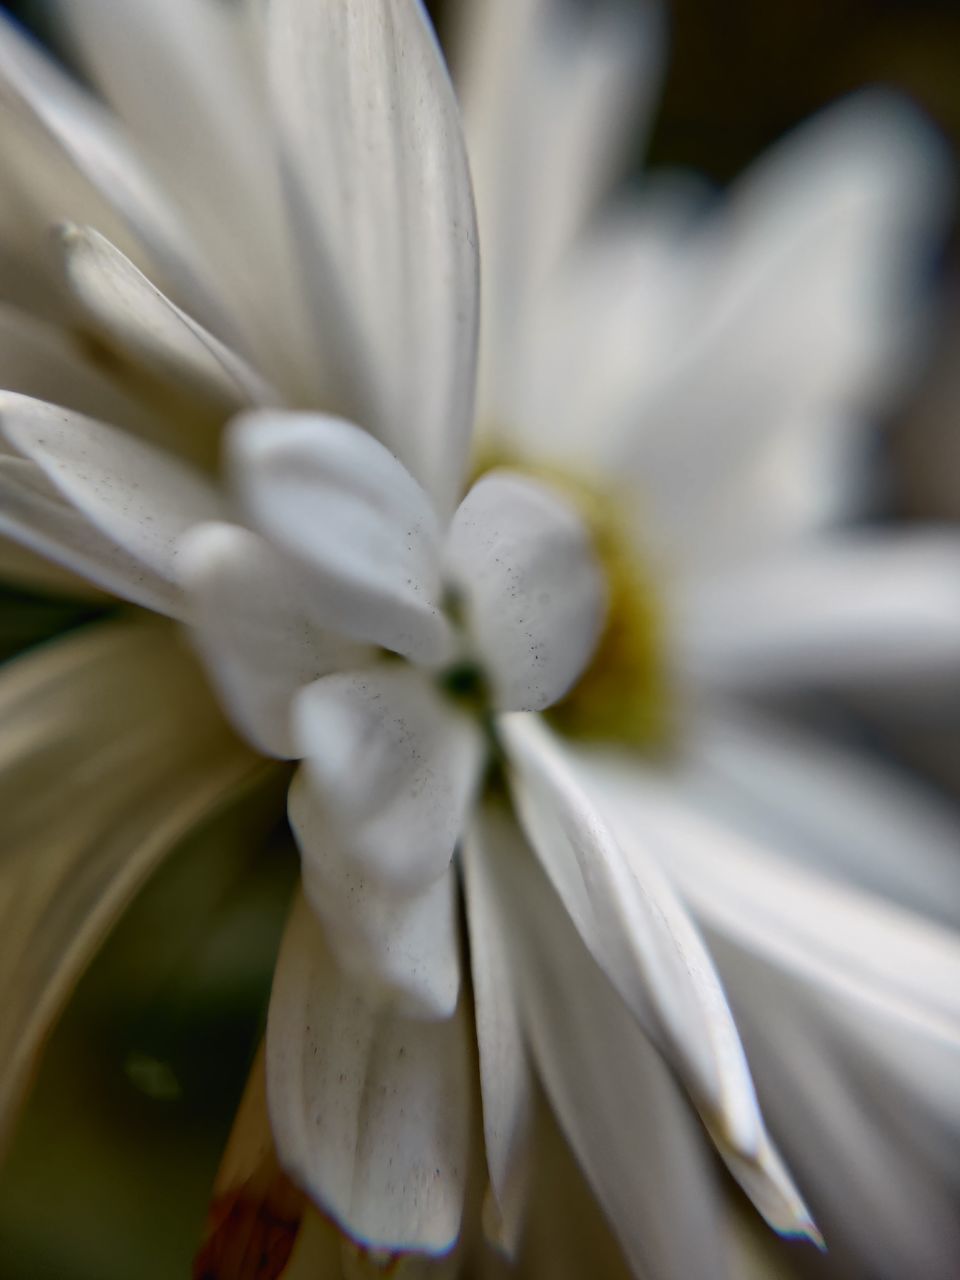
[623, 694]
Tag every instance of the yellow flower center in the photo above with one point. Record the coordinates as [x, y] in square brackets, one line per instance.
[624, 694]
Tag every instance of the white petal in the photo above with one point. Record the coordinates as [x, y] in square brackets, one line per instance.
[370, 1111]
[808, 308]
[404, 947]
[260, 645]
[552, 101]
[382, 200]
[853, 608]
[394, 766]
[846, 815]
[532, 587]
[869, 1116]
[813, 925]
[80, 131]
[136, 500]
[135, 314]
[631, 1129]
[111, 752]
[640, 934]
[341, 503]
[186, 78]
[506, 1082]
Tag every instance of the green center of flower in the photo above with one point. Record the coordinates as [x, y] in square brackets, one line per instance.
[624, 693]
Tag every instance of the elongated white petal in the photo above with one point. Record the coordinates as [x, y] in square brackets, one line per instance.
[808, 311]
[187, 80]
[335, 498]
[394, 766]
[87, 137]
[859, 608]
[111, 751]
[249, 623]
[381, 198]
[552, 99]
[532, 587]
[370, 1111]
[857, 820]
[638, 931]
[815, 926]
[137, 500]
[506, 1082]
[868, 1115]
[633, 1133]
[137, 316]
[402, 947]
[40, 360]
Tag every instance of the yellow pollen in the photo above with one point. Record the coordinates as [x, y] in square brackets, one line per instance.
[623, 695]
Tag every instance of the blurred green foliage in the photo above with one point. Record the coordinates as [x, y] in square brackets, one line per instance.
[112, 1164]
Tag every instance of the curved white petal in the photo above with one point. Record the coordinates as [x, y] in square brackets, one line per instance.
[335, 498]
[634, 1134]
[259, 643]
[854, 608]
[868, 1115]
[98, 500]
[532, 587]
[808, 309]
[187, 80]
[111, 751]
[793, 916]
[393, 765]
[137, 316]
[506, 1081]
[40, 360]
[639, 933]
[552, 100]
[848, 816]
[87, 137]
[381, 196]
[370, 1111]
[403, 947]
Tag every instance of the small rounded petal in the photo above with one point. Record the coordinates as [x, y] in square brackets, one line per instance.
[402, 948]
[394, 767]
[532, 588]
[337, 500]
[370, 1111]
[249, 623]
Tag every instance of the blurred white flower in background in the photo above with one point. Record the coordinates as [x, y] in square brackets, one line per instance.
[670, 413]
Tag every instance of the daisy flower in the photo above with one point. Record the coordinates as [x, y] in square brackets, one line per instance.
[519, 641]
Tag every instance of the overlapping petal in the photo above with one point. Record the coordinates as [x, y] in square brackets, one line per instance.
[141, 320]
[383, 209]
[401, 947]
[532, 588]
[248, 619]
[367, 1107]
[98, 500]
[506, 1076]
[342, 504]
[628, 1123]
[86, 143]
[639, 933]
[394, 766]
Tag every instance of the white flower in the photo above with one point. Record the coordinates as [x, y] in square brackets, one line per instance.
[677, 400]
